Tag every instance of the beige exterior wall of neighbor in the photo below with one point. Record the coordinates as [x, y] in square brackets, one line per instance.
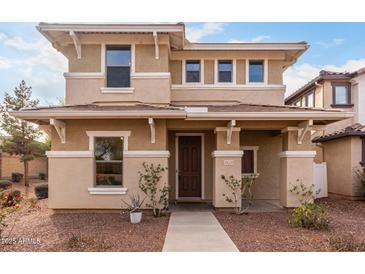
[10, 164]
[217, 95]
[209, 72]
[146, 90]
[90, 61]
[267, 185]
[76, 138]
[146, 61]
[318, 97]
[209, 146]
[241, 72]
[176, 72]
[343, 156]
[275, 69]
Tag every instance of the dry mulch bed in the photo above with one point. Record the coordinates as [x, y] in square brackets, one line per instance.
[86, 232]
[270, 231]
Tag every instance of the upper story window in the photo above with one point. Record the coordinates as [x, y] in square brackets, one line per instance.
[108, 160]
[298, 103]
[256, 71]
[225, 71]
[309, 100]
[118, 66]
[193, 71]
[341, 94]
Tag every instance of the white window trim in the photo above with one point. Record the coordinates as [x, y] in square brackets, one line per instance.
[107, 190]
[255, 149]
[234, 80]
[117, 90]
[266, 71]
[202, 135]
[183, 78]
[113, 133]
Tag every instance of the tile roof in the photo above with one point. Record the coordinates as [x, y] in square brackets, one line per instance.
[353, 130]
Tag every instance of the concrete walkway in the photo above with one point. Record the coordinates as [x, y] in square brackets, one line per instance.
[196, 231]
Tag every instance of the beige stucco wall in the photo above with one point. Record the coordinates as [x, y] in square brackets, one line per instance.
[90, 58]
[343, 156]
[209, 71]
[241, 72]
[275, 69]
[146, 90]
[176, 72]
[267, 185]
[76, 138]
[146, 61]
[10, 164]
[209, 146]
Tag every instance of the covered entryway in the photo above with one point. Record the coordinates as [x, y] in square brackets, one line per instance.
[189, 166]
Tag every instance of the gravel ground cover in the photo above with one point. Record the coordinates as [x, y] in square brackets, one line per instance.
[270, 231]
[41, 230]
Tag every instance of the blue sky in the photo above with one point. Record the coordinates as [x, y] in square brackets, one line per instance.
[25, 54]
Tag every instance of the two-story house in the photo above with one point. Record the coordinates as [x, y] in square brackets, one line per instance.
[140, 93]
[341, 144]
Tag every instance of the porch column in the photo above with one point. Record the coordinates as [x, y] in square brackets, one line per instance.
[296, 163]
[226, 161]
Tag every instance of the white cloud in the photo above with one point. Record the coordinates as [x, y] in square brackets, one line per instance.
[194, 34]
[334, 42]
[256, 39]
[20, 44]
[2, 36]
[298, 75]
[5, 63]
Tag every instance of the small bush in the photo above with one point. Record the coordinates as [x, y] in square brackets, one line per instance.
[309, 215]
[16, 177]
[10, 198]
[346, 243]
[5, 184]
[41, 191]
[42, 175]
[81, 243]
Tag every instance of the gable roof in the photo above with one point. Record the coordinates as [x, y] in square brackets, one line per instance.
[323, 75]
[353, 130]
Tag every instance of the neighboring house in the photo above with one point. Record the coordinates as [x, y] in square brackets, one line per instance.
[12, 163]
[342, 144]
[144, 93]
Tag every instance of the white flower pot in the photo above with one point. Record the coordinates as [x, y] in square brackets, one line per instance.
[136, 217]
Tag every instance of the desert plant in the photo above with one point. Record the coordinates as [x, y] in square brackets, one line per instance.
[10, 198]
[308, 214]
[346, 243]
[149, 180]
[4, 184]
[16, 177]
[360, 172]
[42, 175]
[41, 191]
[241, 190]
[135, 203]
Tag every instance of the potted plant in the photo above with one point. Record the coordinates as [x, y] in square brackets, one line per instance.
[134, 207]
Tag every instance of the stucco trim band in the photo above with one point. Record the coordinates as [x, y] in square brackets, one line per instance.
[117, 90]
[227, 153]
[70, 154]
[297, 154]
[107, 190]
[150, 75]
[84, 75]
[146, 154]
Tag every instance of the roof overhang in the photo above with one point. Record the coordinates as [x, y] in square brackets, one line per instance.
[301, 46]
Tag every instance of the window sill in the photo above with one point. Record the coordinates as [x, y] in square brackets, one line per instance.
[107, 190]
[342, 106]
[117, 90]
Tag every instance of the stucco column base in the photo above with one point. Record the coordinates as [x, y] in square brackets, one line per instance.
[294, 165]
[227, 163]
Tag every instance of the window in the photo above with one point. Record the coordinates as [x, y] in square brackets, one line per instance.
[256, 71]
[249, 160]
[309, 100]
[192, 71]
[118, 66]
[298, 103]
[108, 153]
[225, 71]
[341, 94]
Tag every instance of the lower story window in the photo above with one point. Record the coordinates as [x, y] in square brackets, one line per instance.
[108, 161]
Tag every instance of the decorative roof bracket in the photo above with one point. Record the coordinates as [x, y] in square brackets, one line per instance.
[303, 128]
[151, 122]
[77, 43]
[60, 128]
[230, 127]
[157, 50]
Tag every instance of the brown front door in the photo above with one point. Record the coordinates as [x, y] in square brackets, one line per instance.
[189, 171]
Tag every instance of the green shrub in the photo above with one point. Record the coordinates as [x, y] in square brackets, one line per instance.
[346, 243]
[309, 215]
[4, 184]
[41, 191]
[42, 175]
[16, 177]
